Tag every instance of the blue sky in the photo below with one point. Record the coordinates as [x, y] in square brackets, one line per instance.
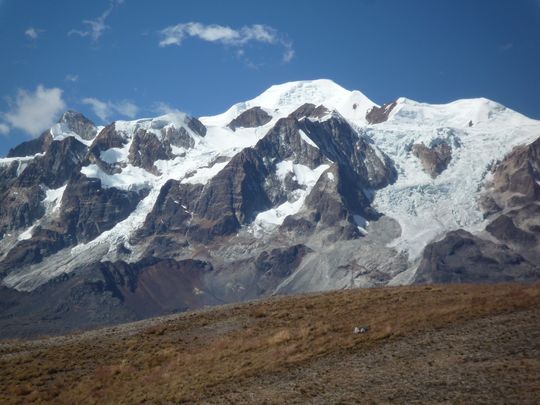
[119, 59]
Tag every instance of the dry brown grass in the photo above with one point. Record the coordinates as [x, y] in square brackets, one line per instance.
[194, 357]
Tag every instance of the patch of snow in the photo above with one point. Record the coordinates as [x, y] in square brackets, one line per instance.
[270, 219]
[53, 199]
[131, 177]
[307, 139]
[61, 131]
[114, 155]
[204, 174]
[361, 224]
[27, 234]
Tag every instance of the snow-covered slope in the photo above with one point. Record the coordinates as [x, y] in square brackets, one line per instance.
[280, 100]
[479, 131]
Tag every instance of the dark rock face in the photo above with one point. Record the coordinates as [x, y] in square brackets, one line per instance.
[103, 294]
[20, 200]
[254, 117]
[88, 209]
[44, 242]
[504, 229]
[434, 159]
[378, 115]
[179, 137]
[309, 110]
[170, 212]
[516, 177]
[281, 262]
[196, 126]
[8, 173]
[463, 258]
[79, 124]
[340, 143]
[61, 160]
[146, 149]
[154, 287]
[20, 207]
[32, 147]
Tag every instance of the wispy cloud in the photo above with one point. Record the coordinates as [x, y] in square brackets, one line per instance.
[164, 108]
[96, 27]
[35, 111]
[4, 129]
[71, 78]
[33, 33]
[105, 109]
[176, 34]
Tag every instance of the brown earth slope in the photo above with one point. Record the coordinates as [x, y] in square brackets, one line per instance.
[456, 343]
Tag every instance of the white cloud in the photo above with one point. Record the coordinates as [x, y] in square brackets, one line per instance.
[36, 111]
[288, 55]
[32, 33]
[164, 108]
[125, 108]
[97, 26]
[4, 129]
[71, 78]
[104, 109]
[176, 34]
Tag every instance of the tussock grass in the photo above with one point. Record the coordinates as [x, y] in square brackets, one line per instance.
[195, 356]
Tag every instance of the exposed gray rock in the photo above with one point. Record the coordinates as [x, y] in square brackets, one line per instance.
[434, 159]
[53, 170]
[178, 137]
[254, 117]
[339, 142]
[378, 115]
[79, 124]
[146, 149]
[463, 258]
[32, 147]
[516, 178]
[103, 294]
[196, 126]
[20, 207]
[309, 110]
[88, 209]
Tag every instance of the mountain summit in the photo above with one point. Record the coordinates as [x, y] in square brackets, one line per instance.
[306, 187]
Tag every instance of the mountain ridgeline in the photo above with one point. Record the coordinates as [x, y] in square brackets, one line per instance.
[307, 187]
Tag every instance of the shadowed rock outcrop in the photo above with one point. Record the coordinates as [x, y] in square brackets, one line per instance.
[79, 124]
[378, 115]
[54, 169]
[254, 117]
[32, 147]
[89, 209]
[516, 178]
[463, 258]
[146, 149]
[310, 111]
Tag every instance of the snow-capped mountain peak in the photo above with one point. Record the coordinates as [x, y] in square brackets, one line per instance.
[282, 99]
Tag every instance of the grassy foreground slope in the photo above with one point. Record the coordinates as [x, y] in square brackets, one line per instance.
[473, 343]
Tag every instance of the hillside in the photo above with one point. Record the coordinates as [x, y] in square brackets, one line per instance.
[457, 343]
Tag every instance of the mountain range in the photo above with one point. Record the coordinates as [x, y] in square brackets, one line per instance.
[307, 187]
